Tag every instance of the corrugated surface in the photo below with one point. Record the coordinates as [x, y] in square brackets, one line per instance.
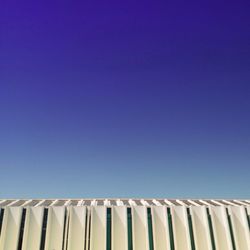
[139, 225]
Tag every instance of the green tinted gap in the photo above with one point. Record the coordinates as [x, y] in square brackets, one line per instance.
[170, 226]
[190, 225]
[231, 229]
[130, 233]
[150, 229]
[20, 240]
[1, 219]
[211, 229]
[44, 228]
[109, 219]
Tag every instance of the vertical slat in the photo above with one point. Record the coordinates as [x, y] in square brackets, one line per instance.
[119, 228]
[181, 228]
[140, 228]
[33, 228]
[76, 234]
[10, 228]
[55, 228]
[221, 228]
[160, 228]
[240, 227]
[201, 228]
[98, 228]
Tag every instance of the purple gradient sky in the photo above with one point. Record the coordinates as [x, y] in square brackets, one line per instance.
[132, 98]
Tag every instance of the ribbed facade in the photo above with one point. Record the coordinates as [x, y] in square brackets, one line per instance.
[124, 224]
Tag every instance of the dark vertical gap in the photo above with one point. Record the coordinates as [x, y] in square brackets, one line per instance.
[86, 230]
[231, 229]
[211, 229]
[109, 218]
[67, 236]
[1, 219]
[65, 240]
[150, 229]
[170, 227]
[44, 228]
[130, 233]
[21, 230]
[89, 231]
[248, 218]
[191, 232]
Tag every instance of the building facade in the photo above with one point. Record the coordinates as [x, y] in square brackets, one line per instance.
[124, 224]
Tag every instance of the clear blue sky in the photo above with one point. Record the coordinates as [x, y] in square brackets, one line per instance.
[124, 99]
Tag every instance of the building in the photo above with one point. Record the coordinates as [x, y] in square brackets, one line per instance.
[124, 224]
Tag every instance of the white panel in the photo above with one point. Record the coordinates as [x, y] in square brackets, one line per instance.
[240, 227]
[76, 236]
[160, 228]
[140, 228]
[119, 228]
[33, 228]
[221, 228]
[10, 228]
[180, 228]
[55, 227]
[201, 228]
[98, 228]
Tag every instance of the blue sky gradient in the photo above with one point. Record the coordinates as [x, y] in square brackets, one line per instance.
[124, 99]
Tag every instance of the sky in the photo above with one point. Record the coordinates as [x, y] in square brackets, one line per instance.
[124, 99]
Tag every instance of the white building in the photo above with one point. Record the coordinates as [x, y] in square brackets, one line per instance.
[124, 224]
